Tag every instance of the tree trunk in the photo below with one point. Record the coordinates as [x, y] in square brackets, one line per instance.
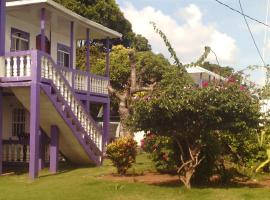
[189, 165]
[123, 114]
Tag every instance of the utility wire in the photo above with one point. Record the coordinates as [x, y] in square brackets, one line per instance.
[241, 13]
[266, 29]
[255, 44]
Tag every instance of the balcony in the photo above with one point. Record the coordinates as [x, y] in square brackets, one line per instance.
[18, 68]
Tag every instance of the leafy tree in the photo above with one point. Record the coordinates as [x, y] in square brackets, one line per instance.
[192, 115]
[140, 43]
[131, 74]
[108, 13]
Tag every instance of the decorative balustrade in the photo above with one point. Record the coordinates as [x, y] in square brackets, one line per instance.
[15, 151]
[50, 71]
[80, 81]
[99, 84]
[19, 151]
[86, 82]
[17, 64]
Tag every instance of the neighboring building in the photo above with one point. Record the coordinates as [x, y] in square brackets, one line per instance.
[44, 100]
[202, 76]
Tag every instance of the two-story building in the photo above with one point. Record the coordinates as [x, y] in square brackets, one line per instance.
[44, 99]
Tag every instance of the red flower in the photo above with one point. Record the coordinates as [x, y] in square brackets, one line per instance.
[142, 143]
[165, 157]
[205, 84]
[231, 80]
[242, 87]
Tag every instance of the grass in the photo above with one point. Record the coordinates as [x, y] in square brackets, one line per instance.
[84, 183]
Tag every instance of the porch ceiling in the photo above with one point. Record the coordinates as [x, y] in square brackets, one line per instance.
[58, 19]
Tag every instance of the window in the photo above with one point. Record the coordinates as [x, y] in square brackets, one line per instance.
[18, 122]
[63, 55]
[19, 40]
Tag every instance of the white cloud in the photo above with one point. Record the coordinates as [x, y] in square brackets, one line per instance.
[188, 38]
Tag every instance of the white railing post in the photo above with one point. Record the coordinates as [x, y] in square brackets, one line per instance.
[15, 67]
[21, 72]
[8, 67]
[28, 65]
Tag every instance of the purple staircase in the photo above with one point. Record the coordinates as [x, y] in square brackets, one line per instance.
[81, 138]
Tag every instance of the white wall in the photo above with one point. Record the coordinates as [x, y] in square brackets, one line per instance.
[33, 30]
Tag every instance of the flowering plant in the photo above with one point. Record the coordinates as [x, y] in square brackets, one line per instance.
[122, 152]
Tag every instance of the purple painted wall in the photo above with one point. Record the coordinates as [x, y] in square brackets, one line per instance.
[2, 26]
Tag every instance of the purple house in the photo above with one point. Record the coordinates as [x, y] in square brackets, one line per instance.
[44, 100]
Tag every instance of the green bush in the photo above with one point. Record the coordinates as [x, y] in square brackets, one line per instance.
[163, 152]
[122, 152]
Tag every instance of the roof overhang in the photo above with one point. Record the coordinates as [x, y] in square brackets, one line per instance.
[101, 32]
[200, 70]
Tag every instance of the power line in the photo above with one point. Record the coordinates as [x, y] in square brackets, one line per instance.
[241, 13]
[266, 29]
[255, 44]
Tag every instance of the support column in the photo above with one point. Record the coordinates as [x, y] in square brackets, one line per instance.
[88, 50]
[107, 57]
[88, 68]
[106, 124]
[34, 116]
[1, 131]
[71, 44]
[41, 150]
[2, 26]
[42, 30]
[54, 149]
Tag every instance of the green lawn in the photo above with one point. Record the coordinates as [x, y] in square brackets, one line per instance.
[84, 183]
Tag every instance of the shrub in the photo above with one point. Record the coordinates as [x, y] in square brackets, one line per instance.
[163, 152]
[122, 152]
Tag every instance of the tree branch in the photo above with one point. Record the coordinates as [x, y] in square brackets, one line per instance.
[114, 92]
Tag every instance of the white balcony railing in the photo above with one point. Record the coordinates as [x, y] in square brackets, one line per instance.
[18, 65]
[50, 71]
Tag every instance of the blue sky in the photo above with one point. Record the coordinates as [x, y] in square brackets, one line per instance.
[193, 24]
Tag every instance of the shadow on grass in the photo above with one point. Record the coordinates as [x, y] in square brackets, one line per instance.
[248, 184]
[23, 168]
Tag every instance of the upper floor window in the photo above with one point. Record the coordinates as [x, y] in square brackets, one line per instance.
[63, 55]
[19, 40]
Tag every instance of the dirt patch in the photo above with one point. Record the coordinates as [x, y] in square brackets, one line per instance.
[265, 183]
[151, 178]
[147, 178]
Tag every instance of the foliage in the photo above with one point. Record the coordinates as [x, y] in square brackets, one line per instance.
[163, 152]
[122, 152]
[222, 71]
[108, 13]
[140, 43]
[189, 115]
[131, 73]
[168, 45]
